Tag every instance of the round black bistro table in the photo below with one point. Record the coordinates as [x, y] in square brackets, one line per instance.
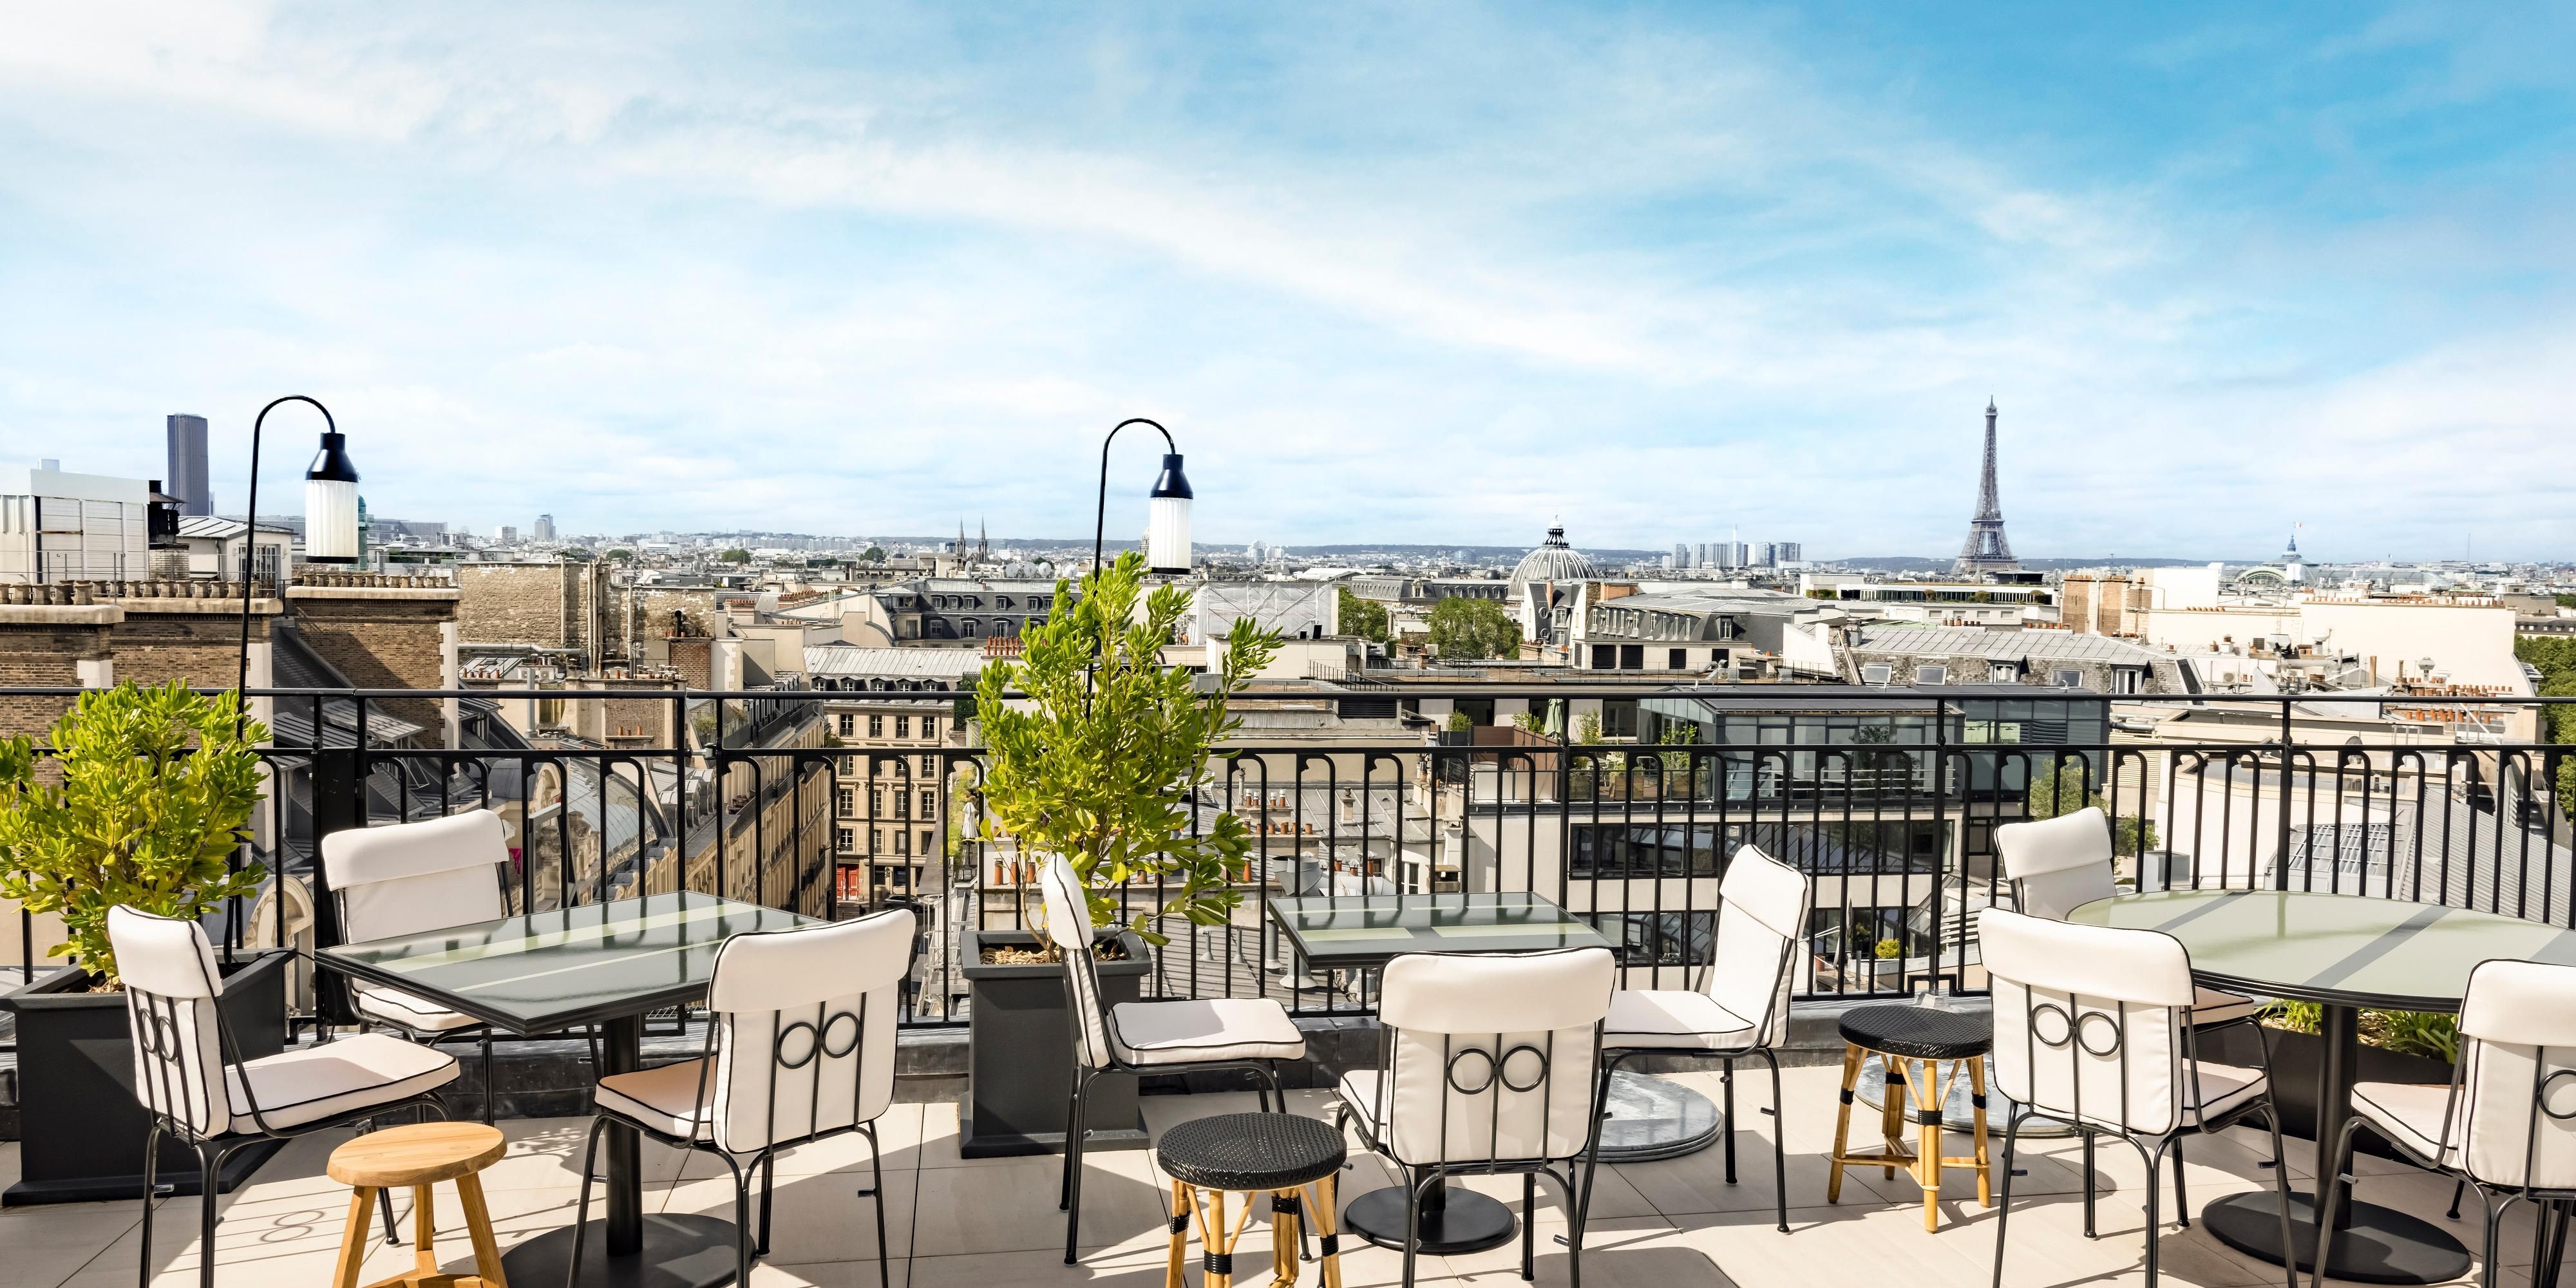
[2343, 952]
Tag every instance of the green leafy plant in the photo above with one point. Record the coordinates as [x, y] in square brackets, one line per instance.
[1467, 629]
[2064, 791]
[152, 791]
[736, 556]
[2434, 1035]
[1889, 950]
[1102, 773]
[1365, 618]
[1529, 722]
[1460, 722]
[1587, 728]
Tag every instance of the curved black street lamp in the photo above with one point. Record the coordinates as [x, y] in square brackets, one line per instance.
[1167, 532]
[330, 518]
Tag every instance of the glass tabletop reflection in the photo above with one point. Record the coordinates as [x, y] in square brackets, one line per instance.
[2334, 948]
[546, 970]
[1345, 932]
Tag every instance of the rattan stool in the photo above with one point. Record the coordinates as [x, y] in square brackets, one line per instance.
[1911, 1042]
[1291, 1158]
[418, 1156]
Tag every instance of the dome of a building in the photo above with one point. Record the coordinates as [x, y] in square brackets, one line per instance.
[1552, 561]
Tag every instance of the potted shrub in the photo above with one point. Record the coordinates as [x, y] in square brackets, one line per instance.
[141, 800]
[1097, 760]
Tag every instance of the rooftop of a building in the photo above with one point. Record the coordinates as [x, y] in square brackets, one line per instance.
[2001, 646]
[847, 661]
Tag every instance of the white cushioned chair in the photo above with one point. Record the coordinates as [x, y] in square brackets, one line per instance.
[800, 1047]
[398, 879]
[1199, 1035]
[1489, 1063]
[2506, 1124]
[1742, 1009]
[2057, 865]
[2094, 1028]
[184, 1052]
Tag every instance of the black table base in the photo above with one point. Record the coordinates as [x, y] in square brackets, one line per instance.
[680, 1251]
[1453, 1221]
[2381, 1246]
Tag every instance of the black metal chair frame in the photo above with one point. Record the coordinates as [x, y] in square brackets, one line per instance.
[1613, 1058]
[818, 1032]
[1077, 1128]
[2549, 1232]
[2076, 1017]
[1420, 1177]
[153, 1018]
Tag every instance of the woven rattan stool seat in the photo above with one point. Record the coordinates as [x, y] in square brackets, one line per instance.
[1918, 1032]
[1248, 1152]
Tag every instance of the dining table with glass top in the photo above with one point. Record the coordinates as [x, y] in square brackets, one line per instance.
[605, 964]
[2345, 953]
[1365, 932]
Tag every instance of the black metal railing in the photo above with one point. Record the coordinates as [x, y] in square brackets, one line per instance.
[1886, 798]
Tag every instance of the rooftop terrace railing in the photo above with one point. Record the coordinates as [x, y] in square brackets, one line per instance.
[1887, 798]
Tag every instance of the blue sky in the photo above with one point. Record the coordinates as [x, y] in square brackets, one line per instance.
[1429, 272]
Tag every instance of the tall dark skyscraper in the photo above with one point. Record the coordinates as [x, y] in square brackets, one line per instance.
[1987, 551]
[187, 479]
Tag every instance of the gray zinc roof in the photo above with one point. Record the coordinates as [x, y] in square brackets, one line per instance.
[2001, 646]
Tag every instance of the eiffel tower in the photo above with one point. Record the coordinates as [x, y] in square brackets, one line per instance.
[1987, 551]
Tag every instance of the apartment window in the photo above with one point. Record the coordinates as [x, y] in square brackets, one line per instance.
[930, 766]
[1605, 657]
[1619, 718]
[903, 726]
[2003, 673]
[1679, 660]
[1632, 657]
[902, 841]
[876, 726]
[902, 766]
[876, 840]
[970, 627]
[1877, 673]
[929, 844]
[929, 803]
[848, 800]
[1931, 675]
[2070, 679]
[848, 724]
[930, 726]
[2128, 679]
[903, 804]
[876, 802]
[842, 839]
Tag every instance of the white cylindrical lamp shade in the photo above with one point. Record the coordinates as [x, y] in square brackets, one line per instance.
[331, 505]
[1167, 531]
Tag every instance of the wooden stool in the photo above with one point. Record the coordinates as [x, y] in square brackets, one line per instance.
[1911, 1042]
[1291, 1158]
[419, 1155]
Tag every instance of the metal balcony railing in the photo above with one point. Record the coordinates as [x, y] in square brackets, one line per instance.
[1887, 798]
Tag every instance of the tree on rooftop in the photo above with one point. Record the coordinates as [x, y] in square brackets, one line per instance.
[735, 556]
[622, 556]
[1365, 618]
[2067, 789]
[2555, 659]
[1473, 628]
[873, 554]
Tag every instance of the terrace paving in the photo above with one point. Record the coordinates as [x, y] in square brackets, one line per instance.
[959, 1222]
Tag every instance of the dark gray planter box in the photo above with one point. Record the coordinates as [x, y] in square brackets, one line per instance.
[2298, 1059]
[1019, 1059]
[81, 1129]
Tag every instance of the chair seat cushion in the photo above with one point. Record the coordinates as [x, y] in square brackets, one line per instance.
[1247, 1152]
[1918, 1032]
[308, 1085]
[395, 1006]
[1674, 1020]
[2224, 1088]
[2210, 1006]
[1222, 1028]
[664, 1098]
[2408, 1113]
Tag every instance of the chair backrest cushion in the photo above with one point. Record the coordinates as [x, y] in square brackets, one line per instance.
[2089, 1021]
[171, 987]
[405, 878]
[2058, 864]
[1492, 1057]
[806, 1022]
[2515, 1109]
[1761, 918]
[1068, 927]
